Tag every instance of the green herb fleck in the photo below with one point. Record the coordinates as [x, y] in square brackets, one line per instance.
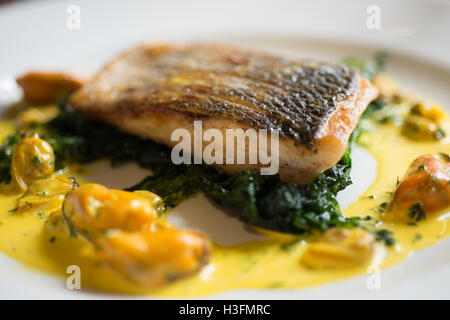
[382, 207]
[417, 237]
[98, 213]
[36, 160]
[289, 246]
[105, 234]
[369, 68]
[416, 213]
[72, 232]
[385, 236]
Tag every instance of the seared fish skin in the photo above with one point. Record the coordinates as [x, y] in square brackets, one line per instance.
[152, 90]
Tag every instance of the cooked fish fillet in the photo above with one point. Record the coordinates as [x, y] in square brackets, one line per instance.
[152, 90]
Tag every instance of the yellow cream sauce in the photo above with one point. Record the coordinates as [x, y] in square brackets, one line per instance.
[271, 264]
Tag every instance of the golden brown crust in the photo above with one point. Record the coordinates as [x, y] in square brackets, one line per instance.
[296, 97]
[154, 89]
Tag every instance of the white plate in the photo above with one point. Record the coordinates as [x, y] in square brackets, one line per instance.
[34, 34]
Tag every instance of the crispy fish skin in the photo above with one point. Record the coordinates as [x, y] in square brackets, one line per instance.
[152, 90]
